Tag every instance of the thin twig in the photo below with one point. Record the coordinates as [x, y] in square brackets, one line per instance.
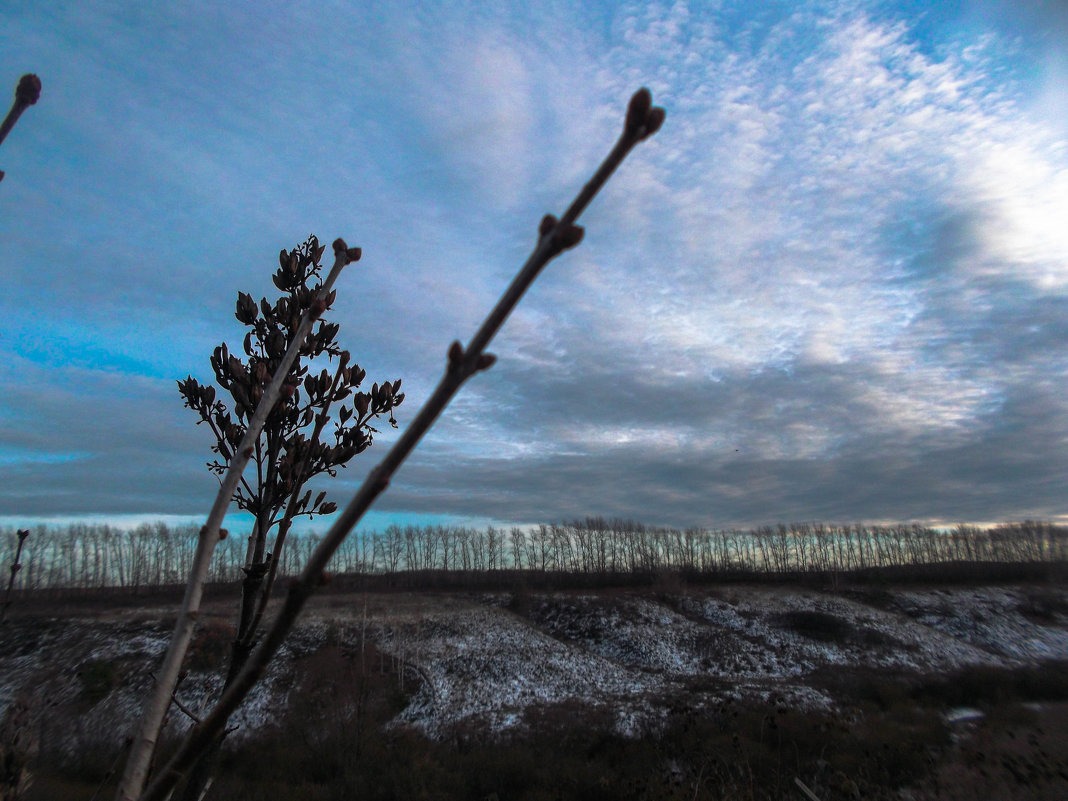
[136, 773]
[555, 236]
[27, 93]
[804, 789]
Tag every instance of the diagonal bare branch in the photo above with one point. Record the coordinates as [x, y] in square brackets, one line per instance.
[27, 93]
[555, 236]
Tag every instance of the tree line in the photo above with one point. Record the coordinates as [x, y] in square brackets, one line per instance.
[91, 556]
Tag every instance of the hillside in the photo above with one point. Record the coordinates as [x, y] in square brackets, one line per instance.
[497, 663]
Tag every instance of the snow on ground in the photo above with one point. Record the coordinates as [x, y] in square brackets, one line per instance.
[476, 661]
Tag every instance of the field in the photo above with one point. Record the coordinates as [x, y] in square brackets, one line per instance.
[663, 691]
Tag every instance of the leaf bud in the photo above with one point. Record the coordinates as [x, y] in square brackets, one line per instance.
[638, 110]
[548, 222]
[456, 354]
[28, 91]
[328, 508]
[236, 369]
[276, 345]
[246, 308]
[340, 247]
[485, 361]
[571, 236]
[283, 258]
[654, 121]
[352, 254]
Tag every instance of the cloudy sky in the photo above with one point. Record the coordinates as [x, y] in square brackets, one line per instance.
[833, 287]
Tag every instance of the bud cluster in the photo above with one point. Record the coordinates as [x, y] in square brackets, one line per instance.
[286, 457]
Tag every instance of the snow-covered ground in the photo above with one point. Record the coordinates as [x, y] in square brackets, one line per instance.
[482, 660]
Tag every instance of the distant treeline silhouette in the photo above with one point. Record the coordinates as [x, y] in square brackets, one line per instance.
[153, 555]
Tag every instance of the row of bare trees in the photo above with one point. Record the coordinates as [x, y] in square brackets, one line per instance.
[154, 555]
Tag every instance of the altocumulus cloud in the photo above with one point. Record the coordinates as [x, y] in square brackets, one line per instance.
[833, 287]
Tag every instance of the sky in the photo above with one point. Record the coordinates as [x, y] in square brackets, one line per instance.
[833, 287]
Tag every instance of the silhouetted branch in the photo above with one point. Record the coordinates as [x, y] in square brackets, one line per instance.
[27, 93]
[554, 236]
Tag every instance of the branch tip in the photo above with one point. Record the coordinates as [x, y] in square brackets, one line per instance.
[28, 91]
[643, 118]
[653, 122]
[638, 110]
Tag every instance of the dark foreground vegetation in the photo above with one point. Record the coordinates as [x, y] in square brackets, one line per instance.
[334, 743]
[591, 552]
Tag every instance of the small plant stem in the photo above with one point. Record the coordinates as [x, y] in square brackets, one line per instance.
[287, 520]
[555, 237]
[144, 745]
